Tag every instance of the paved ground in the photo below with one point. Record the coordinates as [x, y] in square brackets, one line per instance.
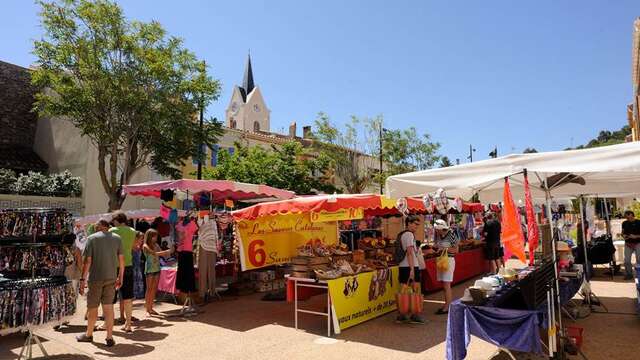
[247, 328]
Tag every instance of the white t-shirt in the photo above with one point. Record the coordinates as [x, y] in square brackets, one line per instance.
[406, 240]
[208, 235]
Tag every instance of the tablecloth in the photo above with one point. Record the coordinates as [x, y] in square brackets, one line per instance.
[512, 329]
[469, 264]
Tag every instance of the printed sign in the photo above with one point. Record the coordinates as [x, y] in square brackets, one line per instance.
[356, 299]
[273, 240]
[340, 215]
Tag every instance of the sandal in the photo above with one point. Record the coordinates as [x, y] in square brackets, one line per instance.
[128, 331]
[84, 338]
[442, 312]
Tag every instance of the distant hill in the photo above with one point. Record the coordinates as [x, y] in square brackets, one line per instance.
[606, 137]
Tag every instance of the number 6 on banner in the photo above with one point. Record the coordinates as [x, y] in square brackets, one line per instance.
[257, 255]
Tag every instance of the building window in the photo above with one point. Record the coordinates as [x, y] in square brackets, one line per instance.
[256, 126]
[232, 123]
[214, 155]
[203, 149]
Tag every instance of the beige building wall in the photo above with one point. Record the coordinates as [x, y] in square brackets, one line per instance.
[60, 145]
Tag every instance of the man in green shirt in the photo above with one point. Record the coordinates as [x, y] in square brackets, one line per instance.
[128, 237]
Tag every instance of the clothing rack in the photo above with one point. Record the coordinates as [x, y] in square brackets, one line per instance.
[33, 234]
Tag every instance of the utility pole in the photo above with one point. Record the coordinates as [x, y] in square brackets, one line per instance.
[471, 151]
[381, 144]
[200, 155]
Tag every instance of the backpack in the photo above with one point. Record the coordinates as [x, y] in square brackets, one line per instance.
[399, 252]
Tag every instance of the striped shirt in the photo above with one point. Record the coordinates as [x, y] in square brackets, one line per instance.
[448, 241]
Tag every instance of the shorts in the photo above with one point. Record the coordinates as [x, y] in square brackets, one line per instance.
[403, 277]
[126, 290]
[491, 252]
[447, 276]
[156, 273]
[101, 292]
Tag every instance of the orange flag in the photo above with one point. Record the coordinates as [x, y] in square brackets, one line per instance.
[512, 237]
[533, 232]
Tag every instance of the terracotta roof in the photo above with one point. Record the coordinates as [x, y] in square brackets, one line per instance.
[20, 159]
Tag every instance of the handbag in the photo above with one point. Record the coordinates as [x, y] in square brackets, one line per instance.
[442, 264]
[403, 299]
[417, 300]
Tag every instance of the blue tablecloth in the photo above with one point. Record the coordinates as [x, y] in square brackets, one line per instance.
[517, 330]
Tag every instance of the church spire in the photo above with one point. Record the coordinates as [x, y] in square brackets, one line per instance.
[247, 81]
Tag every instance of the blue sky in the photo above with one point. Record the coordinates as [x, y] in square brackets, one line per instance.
[508, 73]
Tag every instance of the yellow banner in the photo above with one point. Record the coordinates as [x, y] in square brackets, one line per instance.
[363, 297]
[340, 215]
[273, 240]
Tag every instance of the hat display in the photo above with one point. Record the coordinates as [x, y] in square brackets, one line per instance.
[441, 225]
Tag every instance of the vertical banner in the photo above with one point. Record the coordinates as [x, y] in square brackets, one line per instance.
[273, 240]
[533, 232]
[363, 297]
[512, 236]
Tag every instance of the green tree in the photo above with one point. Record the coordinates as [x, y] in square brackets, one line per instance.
[445, 162]
[346, 151]
[130, 88]
[530, 150]
[289, 167]
[606, 137]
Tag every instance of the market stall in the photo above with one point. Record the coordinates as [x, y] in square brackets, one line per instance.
[207, 202]
[599, 171]
[35, 250]
[357, 272]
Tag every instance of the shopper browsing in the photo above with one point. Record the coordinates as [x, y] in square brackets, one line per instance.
[103, 259]
[409, 268]
[127, 236]
[631, 235]
[446, 241]
[152, 252]
[491, 232]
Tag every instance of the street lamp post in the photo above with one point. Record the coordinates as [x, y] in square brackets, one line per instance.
[471, 151]
[200, 155]
[381, 145]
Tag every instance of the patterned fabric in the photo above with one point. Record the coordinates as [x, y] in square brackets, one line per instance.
[138, 277]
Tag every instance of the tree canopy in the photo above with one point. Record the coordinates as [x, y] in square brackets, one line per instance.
[289, 167]
[445, 162]
[133, 90]
[606, 137]
[529, 150]
[355, 152]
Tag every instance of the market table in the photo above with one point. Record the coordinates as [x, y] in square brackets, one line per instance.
[351, 300]
[469, 263]
[516, 330]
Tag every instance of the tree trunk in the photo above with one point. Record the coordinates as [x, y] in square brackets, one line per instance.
[115, 201]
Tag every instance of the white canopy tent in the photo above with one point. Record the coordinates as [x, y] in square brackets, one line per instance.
[598, 171]
[605, 170]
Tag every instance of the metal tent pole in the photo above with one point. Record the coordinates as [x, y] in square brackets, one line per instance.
[556, 297]
[584, 247]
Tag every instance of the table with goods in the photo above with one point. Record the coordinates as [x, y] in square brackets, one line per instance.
[509, 309]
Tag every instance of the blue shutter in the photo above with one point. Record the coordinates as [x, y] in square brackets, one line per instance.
[214, 155]
[203, 149]
[232, 150]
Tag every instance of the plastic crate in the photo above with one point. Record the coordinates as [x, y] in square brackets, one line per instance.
[575, 334]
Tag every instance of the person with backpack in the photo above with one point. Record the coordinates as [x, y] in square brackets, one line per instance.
[406, 255]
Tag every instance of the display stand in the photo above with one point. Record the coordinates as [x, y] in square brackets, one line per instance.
[28, 228]
[315, 284]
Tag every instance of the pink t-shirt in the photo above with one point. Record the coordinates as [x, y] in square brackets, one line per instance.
[185, 233]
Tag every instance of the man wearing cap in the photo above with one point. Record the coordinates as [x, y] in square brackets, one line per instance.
[446, 240]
